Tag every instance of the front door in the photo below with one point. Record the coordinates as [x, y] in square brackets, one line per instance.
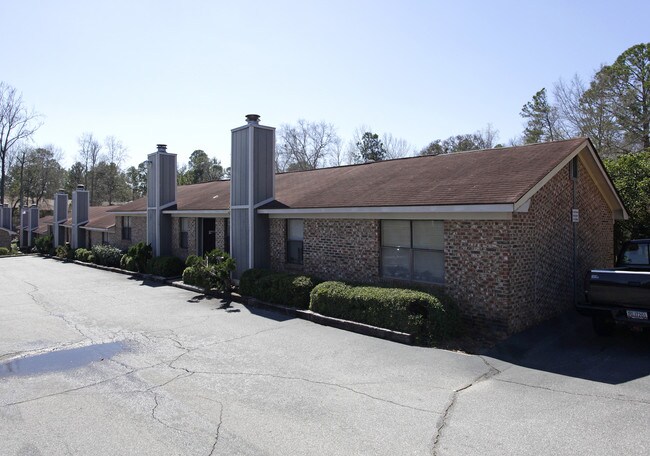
[208, 243]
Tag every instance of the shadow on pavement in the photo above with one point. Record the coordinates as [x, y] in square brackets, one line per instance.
[567, 345]
[147, 282]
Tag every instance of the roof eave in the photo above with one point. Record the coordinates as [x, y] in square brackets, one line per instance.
[448, 212]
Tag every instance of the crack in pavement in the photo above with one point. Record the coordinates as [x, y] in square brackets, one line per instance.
[446, 414]
[216, 437]
[317, 382]
[598, 396]
[71, 390]
[153, 415]
[42, 305]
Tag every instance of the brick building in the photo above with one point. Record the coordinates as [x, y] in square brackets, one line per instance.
[509, 233]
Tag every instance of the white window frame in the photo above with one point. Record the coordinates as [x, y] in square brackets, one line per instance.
[411, 276]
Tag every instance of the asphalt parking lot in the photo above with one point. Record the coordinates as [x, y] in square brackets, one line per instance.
[93, 362]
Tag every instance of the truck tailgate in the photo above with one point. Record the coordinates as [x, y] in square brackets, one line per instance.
[622, 288]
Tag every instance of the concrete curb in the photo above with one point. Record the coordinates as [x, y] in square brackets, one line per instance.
[346, 325]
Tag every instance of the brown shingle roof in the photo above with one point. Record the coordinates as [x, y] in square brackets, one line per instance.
[206, 196]
[99, 218]
[492, 176]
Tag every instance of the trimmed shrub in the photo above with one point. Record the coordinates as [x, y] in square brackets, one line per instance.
[195, 275]
[278, 287]
[193, 260]
[65, 252]
[44, 244]
[430, 318]
[141, 253]
[128, 263]
[166, 266]
[107, 255]
[211, 272]
[4, 251]
[83, 255]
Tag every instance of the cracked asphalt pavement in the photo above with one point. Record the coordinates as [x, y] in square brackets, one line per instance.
[93, 362]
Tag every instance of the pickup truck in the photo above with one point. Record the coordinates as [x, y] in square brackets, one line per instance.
[621, 294]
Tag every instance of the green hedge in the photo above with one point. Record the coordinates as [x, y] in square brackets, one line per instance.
[210, 271]
[166, 266]
[107, 255]
[84, 255]
[428, 317]
[278, 287]
[4, 251]
[44, 244]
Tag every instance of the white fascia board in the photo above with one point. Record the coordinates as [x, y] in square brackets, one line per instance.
[206, 213]
[130, 213]
[622, 212]
[104, 230]
[165, 206]
[458, 212]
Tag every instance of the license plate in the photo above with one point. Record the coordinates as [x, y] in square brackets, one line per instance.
[637, 315]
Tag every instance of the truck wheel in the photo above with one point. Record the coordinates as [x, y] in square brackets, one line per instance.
[603, 326]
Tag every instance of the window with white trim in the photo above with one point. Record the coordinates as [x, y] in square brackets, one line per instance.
[295, 235]
[184, 224]
[413, 250]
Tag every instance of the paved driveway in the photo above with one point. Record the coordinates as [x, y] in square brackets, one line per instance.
[93, 362]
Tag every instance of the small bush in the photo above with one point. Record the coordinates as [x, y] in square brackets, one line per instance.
[193, 260]
[128, 263]
[107, 255]
[428, 317]
[278, 287]
[141, 253]
[65, 252]
[196, 275]
[44, 244]
[83, 255]
[4, 251]
[166, 266]
[211, 272]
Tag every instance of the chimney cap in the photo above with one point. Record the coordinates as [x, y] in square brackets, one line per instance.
[80, 187]
[61, 190]
[253, 118]
[162, 147]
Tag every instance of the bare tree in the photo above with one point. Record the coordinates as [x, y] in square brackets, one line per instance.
[89, 149]
[396, 147]
[306, 145]
[114, 157]
[16, 124]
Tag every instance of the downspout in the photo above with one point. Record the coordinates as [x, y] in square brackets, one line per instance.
[574, 222]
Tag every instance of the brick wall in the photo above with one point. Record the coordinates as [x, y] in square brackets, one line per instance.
[332, 249]
[5, 239]
[509, 275]
[138, 232]
[219, 235]
[477, 269]
[191, 238]
[95, 237]
[278, 243]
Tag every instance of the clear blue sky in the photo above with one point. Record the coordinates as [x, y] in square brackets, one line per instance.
[185, 73]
